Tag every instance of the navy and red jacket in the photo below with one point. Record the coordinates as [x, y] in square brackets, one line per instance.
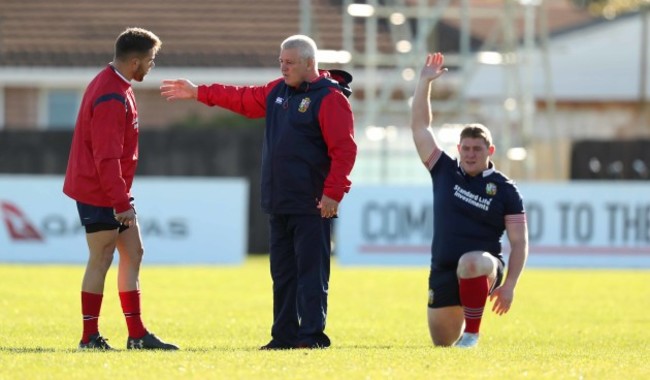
[104, 151]
[309, 148]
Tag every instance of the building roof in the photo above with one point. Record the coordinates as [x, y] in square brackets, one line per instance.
[209, 33]
[562, 15]
[199, 33]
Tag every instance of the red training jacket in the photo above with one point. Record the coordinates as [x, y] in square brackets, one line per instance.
[104, 151]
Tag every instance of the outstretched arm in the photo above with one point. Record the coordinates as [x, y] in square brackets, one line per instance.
[173, 89]
[249, 101]
[425, 142]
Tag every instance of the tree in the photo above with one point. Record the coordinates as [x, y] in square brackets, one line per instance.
[611, 8]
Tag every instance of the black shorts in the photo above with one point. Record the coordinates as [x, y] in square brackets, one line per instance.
[444, 289]
[97, 218]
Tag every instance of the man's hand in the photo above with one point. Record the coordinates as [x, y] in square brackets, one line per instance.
[173, 89]
[126, 218]
[328, 207]
[504, 296]
[433, 67]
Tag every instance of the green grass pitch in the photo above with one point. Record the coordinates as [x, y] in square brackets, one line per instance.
[565, 324]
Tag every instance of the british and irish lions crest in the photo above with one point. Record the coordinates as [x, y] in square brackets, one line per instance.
[304, 105]
[491, 189]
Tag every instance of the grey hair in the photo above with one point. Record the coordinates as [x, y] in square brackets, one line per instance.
[306, 46]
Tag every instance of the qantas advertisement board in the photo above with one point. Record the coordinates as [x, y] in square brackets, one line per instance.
[572, 224]
[182, 220]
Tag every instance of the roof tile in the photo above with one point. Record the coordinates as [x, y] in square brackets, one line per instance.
[199, 33]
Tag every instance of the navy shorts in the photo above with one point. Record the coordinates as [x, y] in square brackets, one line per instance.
[444, 290]
[97, 218]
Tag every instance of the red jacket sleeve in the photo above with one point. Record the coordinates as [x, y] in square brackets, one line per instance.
[337, 124]
[107, 138]
[249, 101]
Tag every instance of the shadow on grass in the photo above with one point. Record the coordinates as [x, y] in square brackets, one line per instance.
[334, 348]
[28, 350]
[49, 350]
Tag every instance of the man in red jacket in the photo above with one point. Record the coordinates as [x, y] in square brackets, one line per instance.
[307, 157]
[100, 172]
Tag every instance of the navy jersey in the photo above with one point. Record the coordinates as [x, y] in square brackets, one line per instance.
[296, 158]
[309, 147]
[469, 212]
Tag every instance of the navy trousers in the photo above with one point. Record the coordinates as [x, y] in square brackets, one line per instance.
[300, 269]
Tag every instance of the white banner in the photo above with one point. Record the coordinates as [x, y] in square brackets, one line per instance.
[183, 220]
[575, 224]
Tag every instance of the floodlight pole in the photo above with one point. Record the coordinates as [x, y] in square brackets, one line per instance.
[643, 74]
[528, 98]
[305, 18]
[382, 71]
[548, 85]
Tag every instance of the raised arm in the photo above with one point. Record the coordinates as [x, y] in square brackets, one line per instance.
[425, 142]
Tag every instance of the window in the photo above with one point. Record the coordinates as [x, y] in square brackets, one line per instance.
[62, 107]
[2, 107]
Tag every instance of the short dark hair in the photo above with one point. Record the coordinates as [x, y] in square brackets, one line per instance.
[135, 40]
[477, 131]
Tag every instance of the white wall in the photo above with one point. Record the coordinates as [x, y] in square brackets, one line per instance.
[598, 62]
[2, 108]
